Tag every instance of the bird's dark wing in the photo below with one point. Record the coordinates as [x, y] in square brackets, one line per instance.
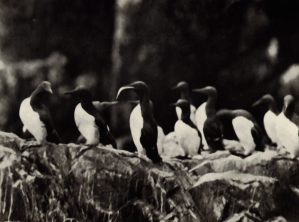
[259, 138]
[106, 137]
[148, 139]
[45, 117]
[295, 119]
[225, 118]
[213, 133]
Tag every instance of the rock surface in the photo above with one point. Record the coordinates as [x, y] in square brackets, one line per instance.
[69, 182]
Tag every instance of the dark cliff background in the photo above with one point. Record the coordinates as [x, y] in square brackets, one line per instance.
[244, 48]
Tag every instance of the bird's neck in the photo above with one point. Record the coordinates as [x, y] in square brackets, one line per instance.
[211, 105]
[273, 107]
[37, 99]
[185, 117]
[288, 113]
[87, 105]
[185, 95]
[146, 108]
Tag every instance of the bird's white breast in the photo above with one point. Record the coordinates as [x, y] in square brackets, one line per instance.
[187, 137]
[136, 125]
[287, 134]
[32, 122]
[86, 125]
[242, 127]
[200, 118]
[270, 125]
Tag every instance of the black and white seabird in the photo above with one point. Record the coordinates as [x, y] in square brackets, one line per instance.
[209, 124]
[286, 130]
[240, 130]
[89, 120]
[186, 132]
[201, 111]
[269, 117]
[36, 117]
[143, 126]
[183, 88]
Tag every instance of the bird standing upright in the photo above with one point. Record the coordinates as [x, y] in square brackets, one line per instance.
[210, 125]
[270, 116]
[183, 88]
[201, 115]
[286, 130]
[189, 137]
[36, 117]
[89, 120]
[143, 126]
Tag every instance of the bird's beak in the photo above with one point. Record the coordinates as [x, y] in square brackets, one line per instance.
[49, 89]
[69, 92]
[173, 104]
[104, 105]
[124, 88]
[175, 87]
[286, 105]
[201, 90]
[134, 102]
[109, 103]
[257, 103]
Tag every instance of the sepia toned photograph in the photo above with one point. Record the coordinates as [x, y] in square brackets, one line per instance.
[149, 111]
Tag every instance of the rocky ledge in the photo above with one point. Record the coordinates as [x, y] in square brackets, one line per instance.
[69, 182]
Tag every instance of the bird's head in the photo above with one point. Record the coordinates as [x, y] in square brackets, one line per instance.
[265, 99]
[208, 91]
[183, 88]
[80, 93]
[44, 88]
[288, 105]
[104, 105]
[183, 104]
[139, 87]
[41, 94]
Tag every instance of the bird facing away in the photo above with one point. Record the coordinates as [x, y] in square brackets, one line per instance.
[183, 88]
[286, 130]
[208, 122]
[201, 111]
[185, 130]
[89, 120]
[269, 117]
[36, 117]
[239, 128]
[143, 126]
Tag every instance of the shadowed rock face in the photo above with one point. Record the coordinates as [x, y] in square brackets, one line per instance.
[227, 193]
[71, 182]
